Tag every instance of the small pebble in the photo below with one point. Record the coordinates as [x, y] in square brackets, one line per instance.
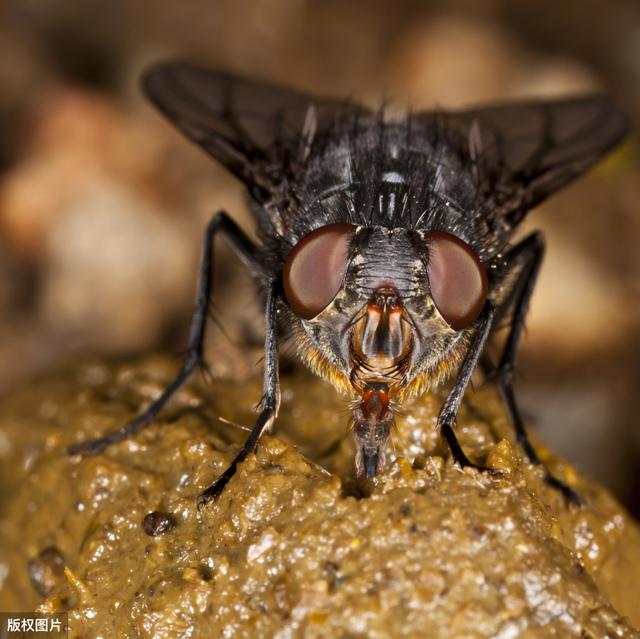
[157, 523]
[46, 570]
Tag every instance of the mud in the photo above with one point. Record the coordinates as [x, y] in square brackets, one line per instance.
[293, 547]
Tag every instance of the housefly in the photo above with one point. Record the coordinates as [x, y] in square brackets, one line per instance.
[385, 244]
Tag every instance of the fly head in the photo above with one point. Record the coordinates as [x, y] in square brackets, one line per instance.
[381, 312]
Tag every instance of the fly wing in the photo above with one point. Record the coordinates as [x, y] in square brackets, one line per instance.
[523, 152]
[254, 129]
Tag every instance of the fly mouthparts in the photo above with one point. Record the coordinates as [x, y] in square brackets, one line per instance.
[382, 335]
[381, 338]
[373, 420]
[371, 461]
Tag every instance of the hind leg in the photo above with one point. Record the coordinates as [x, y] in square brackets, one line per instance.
[529, 254]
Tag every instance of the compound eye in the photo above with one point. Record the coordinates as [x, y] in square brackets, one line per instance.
[314, 269]
[457, 279]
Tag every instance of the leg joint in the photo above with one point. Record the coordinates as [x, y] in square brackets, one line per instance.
[537, 242]
[217, 220]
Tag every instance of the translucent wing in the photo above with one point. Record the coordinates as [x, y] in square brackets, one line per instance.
[253, 129]
[523, 152]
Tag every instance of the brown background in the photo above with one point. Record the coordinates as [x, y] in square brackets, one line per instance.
[102, 205]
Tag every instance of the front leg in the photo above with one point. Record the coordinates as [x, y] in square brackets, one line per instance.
[220, 223]
[269, 404]
[449, 410]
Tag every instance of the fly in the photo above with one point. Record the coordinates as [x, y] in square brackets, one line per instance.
[385, 245]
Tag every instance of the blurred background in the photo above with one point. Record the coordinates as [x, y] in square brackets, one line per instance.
[103, 204]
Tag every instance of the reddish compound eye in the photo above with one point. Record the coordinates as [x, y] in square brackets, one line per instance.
[457, 279]
[314, 270]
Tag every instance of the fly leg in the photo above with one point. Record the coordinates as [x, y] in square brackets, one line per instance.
[220, 223]
[530, 251]
[268, 405]
[449, 410]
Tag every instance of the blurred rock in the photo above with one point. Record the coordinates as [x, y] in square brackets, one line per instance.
[451, 60]
[454, 60]
[104, 210]
[76, 139]
[576, 298]
[554, 76]
[114, 270]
